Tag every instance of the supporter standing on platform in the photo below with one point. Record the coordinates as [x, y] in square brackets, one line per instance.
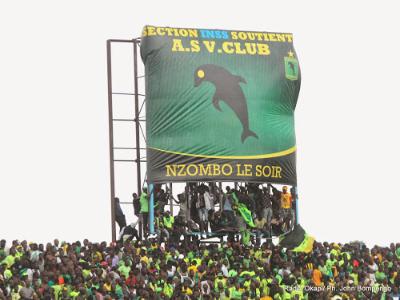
[136, 204]
[183, 203]
[286, 207]
[285, 211]
[129, 232]
[267, 206]
[119, 214]
[162, 232]
[144, 210]
[209, 203]
[260, 223]
[162, 198]
[168, 222]
[228, 216]
[202, 211]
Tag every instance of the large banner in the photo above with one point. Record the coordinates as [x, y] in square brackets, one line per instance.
[220, 105]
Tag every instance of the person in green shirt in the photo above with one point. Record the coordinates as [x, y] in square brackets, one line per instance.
[161, 231]
[168, 288]
[380, 274]
[222, 292]
[125, 268]
[168, 221]
[144, 210]
[219, 283]
[245, 236]
[232, 273]
[234, 291]
[330, 264]
[57, 291]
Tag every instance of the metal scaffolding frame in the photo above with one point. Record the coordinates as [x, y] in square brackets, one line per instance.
[137, 119]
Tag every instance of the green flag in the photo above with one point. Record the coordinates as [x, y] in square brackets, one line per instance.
[244, 211]
[298, 240]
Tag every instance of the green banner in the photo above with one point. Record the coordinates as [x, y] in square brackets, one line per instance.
[220, 105]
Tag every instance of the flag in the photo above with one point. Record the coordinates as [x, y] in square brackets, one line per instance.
[244, 211]
[306, 245]
[298, 240]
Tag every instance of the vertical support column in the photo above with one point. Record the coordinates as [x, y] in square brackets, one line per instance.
[137, 128]
[111, 141]
[297, 206]
[188, 202]
[151, 208]
[171, 203]
[221, 196]
[137, 120]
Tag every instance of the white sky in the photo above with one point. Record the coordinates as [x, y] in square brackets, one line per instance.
[54, 164]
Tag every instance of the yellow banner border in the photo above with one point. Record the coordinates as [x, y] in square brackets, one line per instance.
[261, 156]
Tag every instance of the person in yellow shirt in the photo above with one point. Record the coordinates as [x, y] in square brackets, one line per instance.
[286, 207]
[107, 286]
[193, 266]
[286, 198]
[186, 289]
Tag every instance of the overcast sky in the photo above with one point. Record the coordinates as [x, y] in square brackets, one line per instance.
[54, 129]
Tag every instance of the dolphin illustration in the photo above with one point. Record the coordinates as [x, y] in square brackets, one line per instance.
[227, 89]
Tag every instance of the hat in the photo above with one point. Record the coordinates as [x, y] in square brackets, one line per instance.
[104, 264]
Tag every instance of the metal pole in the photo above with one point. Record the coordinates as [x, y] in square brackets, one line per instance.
[151, 208]
[171, 202]
[137, 121]
[221, 196]
[137, 128]
[111, 141]
[188, 202]
[297, 205]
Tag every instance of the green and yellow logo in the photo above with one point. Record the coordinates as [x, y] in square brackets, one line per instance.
[291, 67]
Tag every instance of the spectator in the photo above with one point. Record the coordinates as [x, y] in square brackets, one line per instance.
[147, 270]
[162, 200]
[260, 223]
[285, 211]
[136, 204]
[119, 215]
[129, 232]
[144, 210]
[183, 203]
[162, 232]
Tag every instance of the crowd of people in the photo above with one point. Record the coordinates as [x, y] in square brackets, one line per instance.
[172, 263]
[149, 270]
[260, 210]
